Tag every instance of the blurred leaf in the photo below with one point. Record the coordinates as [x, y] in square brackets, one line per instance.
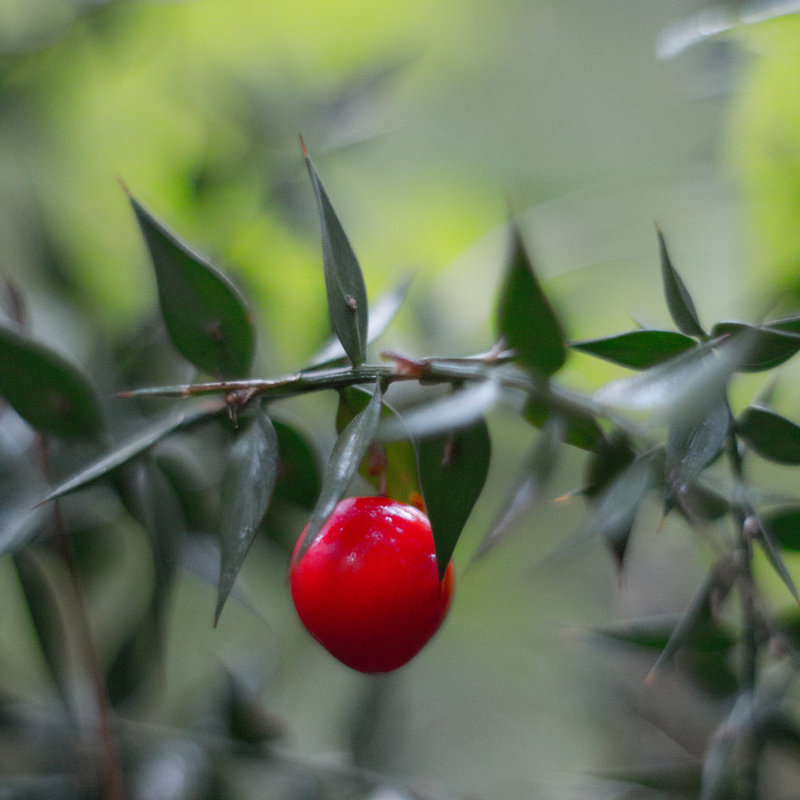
[770, 435]
[768, 348]
[448, 413]
[638, 349]
[525, 317]
[381, 313]
[680, 383]
[43, 602]
[347, 453]
[46, 390]
[298, 479]
[608, 459]
[123, 452]
[135, 660]
[344, 283]
[720, 763]
[391, 467]
[614, 510]
[248, 720]
[536, 470]
[581, 430]
[205, 315]
[452, 471]
[697, 502]
[674, 780]
[679, 301]
[247, 488]
[715, 587]
[693, 441]
[783, 525]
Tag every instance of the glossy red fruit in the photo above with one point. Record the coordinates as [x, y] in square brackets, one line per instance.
[368, 588]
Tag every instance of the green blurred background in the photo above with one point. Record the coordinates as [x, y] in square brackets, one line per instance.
[428, 122]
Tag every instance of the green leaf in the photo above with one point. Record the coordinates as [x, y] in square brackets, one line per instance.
[47, 391]
[610, 457]
[772, 436]
[205, 314]
[679, 301]
[381, 313]
[694, 440]
[344, 283]
[391, 467]
[457, 410]
[125, 451]
[452, 471]
[247, 487]
[525, 317]
[536, 470]
[347, 453]
[769, 543]
[298, 478]
[43, 604]
[767, 347]
[638, 349]
[783, 525]
[697, 614]
[581, 430]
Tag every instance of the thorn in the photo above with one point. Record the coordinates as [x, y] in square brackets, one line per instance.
[125, 188]
[303, 146]
[650, 678]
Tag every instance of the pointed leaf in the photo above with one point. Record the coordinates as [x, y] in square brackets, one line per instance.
[637, 349]
[770, 435]
[679, 301]
[125, 451]
[247, 487]
[536, 470]
[770, 545]
[205, 314]
[381, 313]
[298, 478]
[783, 525]
[391, 467]
[344, 283]
[525, 317]
[46, 390]
[768, 347]
[713, 589]
[694, 440]
[347, 453]
[452, 471]
[456, 410]
[43, 603]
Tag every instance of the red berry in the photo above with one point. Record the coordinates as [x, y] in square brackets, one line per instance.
[367, 588]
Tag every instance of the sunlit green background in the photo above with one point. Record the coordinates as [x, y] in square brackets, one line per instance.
[429, 123]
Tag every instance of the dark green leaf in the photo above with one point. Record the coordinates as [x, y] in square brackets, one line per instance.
[298, 478]
[456, 410]
[452, 471]
[783, 525]
[525, 317]
[348, 451]
[391, 467]
[46, 390]
[248, 720]
[767, 347]
[205, 315]
[43, 603]
[638, 349]
[694, 440]
[697, 614]
[679, 301]
[581, 431]
[609, 458]
[768, 540]
[720, 764]
[614, 511]
[381, 313]
[247, 487]
[344, 283]
[674, 781]
[770, 435]
[536, 470]
[136, 445]
[136, 660]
